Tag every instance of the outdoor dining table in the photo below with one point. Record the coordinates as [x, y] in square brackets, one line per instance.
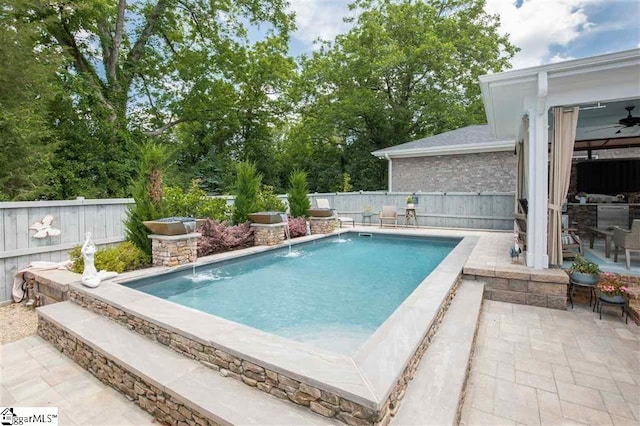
[607, 233]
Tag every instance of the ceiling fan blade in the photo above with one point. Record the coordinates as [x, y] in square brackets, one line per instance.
[603, 128]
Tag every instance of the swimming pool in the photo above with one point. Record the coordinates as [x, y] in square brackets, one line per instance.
[331, 294]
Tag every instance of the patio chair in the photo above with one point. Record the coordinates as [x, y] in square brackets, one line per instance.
[390, 214]
[323, 203]
[570, 242]
[628, 240]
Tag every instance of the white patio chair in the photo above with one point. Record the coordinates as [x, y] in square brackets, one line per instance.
[323, 203]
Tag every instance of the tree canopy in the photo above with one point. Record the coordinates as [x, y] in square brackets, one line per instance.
[92, 80]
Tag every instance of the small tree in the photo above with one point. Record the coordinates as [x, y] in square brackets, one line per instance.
[147, 193]
[246, 189]
[297, 194]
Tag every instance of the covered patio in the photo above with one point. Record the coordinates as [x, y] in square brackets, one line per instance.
[554, 111]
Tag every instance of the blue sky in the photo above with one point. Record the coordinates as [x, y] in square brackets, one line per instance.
[545, 30]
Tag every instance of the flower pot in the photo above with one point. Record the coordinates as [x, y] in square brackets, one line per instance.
[582, 278]
[618, 298]
[265, 217]
[173, 225]
[583, 200]
[410, 205]
[320, 212]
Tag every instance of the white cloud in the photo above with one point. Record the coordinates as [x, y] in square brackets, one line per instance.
[538, 24]
[320, 18]
[560, 58]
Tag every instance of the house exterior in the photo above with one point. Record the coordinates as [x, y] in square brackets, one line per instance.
[468, 159]
[518, 105]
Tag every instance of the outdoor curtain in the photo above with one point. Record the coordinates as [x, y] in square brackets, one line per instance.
[565, 122]
[522, 157]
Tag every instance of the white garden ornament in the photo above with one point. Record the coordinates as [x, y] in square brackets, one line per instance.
[44, 229]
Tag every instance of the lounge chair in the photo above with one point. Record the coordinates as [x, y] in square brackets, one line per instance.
[628, 240]
[389, 213]
[323, 203]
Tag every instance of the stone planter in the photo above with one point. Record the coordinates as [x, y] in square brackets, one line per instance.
[587, 279]
[265, 217]
[320, 212]
[172, 227]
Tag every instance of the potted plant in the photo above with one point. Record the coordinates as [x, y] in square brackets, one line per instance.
[409, 201]
[584, 271]
[611, 289]
[582, 197]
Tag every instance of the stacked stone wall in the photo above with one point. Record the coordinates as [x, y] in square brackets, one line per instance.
[174, 252]
[166, 409]
[323, 225]
[268, 235]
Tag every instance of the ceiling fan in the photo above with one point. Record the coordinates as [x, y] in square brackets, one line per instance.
[623, 123]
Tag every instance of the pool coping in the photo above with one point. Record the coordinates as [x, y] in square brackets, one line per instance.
[368, 377]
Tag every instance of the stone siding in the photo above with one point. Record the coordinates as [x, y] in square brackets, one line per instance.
[320, 401]
[167, 409]
[172, 251]
[323, 225]
[268, 235]
[482, 172]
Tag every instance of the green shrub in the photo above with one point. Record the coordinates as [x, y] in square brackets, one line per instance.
[193, 203]
[585, 266]
[246, 190]
[297, 194]
[268, 201]
[123, 257]
[147, 194]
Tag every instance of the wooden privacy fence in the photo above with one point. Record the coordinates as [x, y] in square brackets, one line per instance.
[105, 220]
[438, 209]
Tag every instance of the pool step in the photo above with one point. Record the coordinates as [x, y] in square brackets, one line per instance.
[163, 382]
[435, 393]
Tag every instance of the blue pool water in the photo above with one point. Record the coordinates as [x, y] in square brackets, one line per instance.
[332, 295]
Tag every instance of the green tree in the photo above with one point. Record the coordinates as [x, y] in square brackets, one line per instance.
[28, 87]
[406, 69]
[147, 194]
[297, 194]
[246, 190]
[134, 70]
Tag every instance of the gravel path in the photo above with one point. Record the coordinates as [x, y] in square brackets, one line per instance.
[17, 321]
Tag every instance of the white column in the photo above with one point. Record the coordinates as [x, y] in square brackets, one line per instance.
[538, 187]
[390, 172]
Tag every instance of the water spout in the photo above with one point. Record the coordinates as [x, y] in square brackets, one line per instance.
[287, 233]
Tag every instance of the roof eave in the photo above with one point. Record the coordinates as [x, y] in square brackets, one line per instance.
[446, 150]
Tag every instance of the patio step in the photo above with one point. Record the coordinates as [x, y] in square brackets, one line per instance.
[188, 387]
[436, 391]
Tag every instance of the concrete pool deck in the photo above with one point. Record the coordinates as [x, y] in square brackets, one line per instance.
[538, 366]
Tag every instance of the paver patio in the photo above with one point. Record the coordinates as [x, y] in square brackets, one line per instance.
[35, 374]
[542, 366]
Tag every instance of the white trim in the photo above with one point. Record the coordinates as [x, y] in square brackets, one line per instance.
[496, 146]
[577, 66]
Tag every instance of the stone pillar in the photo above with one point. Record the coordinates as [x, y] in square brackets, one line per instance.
[323, 225]
[268, 234]
[174, 250]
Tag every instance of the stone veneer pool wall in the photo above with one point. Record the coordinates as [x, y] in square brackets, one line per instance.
[166, 408]
[320, 401]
